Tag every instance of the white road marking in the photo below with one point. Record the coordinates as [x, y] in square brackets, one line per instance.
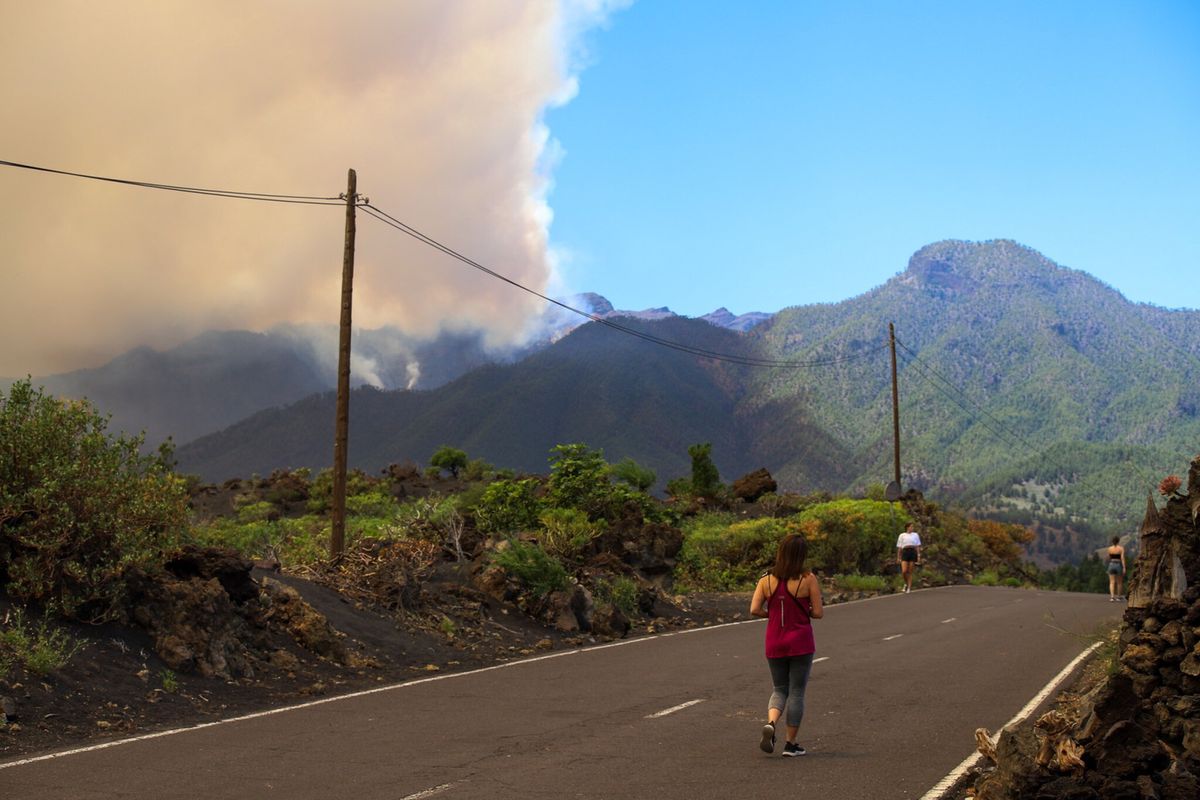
[949, 620]
[956, 774]
[893, 636]
[394, 686]
[673, 709]
[430, 792]
[819, 660]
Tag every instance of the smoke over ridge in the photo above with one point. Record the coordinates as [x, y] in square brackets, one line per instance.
[437, 105]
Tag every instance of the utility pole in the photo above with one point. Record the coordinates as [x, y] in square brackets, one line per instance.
[337, 539]
[895, 407]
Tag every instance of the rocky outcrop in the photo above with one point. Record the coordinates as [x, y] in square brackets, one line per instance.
[753, 485]
[207, 614]
[1138, 736]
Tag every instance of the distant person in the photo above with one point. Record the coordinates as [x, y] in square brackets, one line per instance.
[908, 553]
[789, 596]
[1116, 570]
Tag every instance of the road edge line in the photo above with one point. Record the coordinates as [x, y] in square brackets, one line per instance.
[955, 775]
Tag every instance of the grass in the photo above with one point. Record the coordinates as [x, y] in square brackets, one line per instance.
[862, 583]
[40, 648]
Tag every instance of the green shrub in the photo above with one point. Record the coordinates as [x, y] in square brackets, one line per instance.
[1011, 581]
[621, 593]
[629, 471]
[508, 506]
[566, 531]
[988, 577]
[320, 494]
[721, 554]
[40, 648]
[375, 502]
[477, 469]
[862, 583]
[850, 536]
[533, 567]
[77, 505]
[255, 511]
[579, 478]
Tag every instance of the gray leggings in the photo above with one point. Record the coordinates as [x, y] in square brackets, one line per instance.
[789, 676]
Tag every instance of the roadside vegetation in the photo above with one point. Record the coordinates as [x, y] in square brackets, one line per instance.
[81, 510]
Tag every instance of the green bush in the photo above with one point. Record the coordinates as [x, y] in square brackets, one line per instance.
[850, 536]
[77, 505]
[862, 583]
[537, 570]
[621, 593]
[988, 577]
[40, 648]
[721, 554]
[320, 494]
[375, 502]
[579, 478]
[299, 542]
[630, 472]
[566, 531]
[508, 506]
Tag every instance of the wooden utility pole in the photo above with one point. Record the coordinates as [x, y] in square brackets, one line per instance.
[337, 539]
[895, 407]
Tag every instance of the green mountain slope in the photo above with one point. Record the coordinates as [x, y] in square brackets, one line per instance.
[1028, 390]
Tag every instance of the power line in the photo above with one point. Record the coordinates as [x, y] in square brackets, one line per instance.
[750, 361]
[261, 196]
[1001, 435]
[921, 364]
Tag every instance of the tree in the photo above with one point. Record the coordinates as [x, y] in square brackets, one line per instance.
[706, 481]
[629, 471]
[78, 506]
[449, 459]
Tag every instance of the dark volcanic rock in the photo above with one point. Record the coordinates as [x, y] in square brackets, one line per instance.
[754, 485]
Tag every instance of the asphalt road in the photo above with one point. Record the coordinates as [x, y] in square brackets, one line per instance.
[892, 707]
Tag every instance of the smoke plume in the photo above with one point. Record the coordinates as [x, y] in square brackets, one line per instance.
[437, 105]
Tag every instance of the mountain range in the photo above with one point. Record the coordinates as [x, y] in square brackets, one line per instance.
[1028, 390]
[220, 377]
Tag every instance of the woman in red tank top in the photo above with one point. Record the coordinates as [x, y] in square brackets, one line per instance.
[789, 596]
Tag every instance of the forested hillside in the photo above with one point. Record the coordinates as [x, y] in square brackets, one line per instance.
[1028, 391]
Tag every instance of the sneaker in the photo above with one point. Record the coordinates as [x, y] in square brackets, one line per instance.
[767, 743]
[793, 749]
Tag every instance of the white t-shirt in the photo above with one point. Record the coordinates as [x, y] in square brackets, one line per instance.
[908, 540]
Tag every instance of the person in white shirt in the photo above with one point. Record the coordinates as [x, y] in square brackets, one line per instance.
[908, 552]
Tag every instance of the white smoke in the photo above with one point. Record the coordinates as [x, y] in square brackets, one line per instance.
[438, 106]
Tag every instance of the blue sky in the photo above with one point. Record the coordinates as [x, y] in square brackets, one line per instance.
[768, 154]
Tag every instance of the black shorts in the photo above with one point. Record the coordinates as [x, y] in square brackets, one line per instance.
[908, 554]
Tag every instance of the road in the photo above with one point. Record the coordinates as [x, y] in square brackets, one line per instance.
[892, 707]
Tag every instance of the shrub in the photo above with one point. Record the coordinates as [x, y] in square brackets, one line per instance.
[862, 583]
[533, 567]
[507, 506]
[566, 531]
[988, 577]
[1001, 539]
[621, 593]
[579, 479]
[477, 469]
[77, 505]
[719, 554]
[375, 502]
[40, 649]
[850, 536]
[320, 494]
[629, 471]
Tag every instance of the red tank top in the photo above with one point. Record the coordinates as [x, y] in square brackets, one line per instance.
[789, 626]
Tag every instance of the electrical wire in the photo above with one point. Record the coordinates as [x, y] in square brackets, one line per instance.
[261, 196]
[751, 361]
[921, 364]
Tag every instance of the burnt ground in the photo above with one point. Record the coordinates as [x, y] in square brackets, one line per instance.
[117, 686]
